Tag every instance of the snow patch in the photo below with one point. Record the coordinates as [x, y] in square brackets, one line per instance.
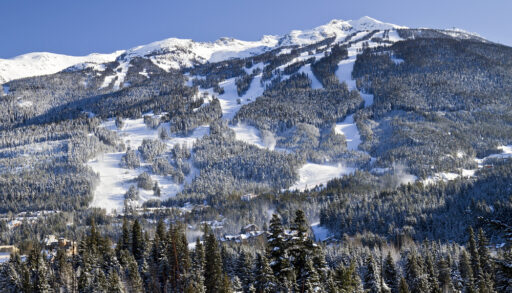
[311, 175]
[321, 233]
[348, 128]
[43, 63]
[115, 180]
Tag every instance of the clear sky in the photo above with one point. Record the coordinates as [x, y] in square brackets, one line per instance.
[80, 27]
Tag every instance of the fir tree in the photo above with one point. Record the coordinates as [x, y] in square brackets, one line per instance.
[265, 280]
[504, 272]
[485, 263]
[466, 272]
[346, 278]
[277, 251]
[213, 276]
[414, 274]
[433, 281]
[137, 242]
[475, 257]
[196, 283]
[371, 276]
[244, 270]
[114, 283]
[445, 281]
[390, 274]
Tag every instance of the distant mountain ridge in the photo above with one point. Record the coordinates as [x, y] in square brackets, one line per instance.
[179, 53]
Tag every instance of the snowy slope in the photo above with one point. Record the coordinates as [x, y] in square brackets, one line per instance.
[34, 64]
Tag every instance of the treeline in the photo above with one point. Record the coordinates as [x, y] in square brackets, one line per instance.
[438, 211]
[287, 261]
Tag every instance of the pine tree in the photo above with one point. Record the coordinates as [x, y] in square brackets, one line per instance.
[237, 285]
[308, 280]
[371, 276]
[475, 257]
[41, 284]
[300, 224]
[265, 280]
[432, 274]
[346, 278]
[213, 276]
[414, 274]
[504, 272]
[445, 281]
[114, 283]
[390, 274]
[485, 263]
[137, 242]
[277, 253]
[466, 272]
[244, 270]
[196, 283]
[134, 281]
[125, 242]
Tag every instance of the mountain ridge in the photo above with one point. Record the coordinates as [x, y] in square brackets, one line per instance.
[186, 50]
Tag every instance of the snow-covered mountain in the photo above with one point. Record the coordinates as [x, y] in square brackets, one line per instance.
[42, 63]
[177, 53]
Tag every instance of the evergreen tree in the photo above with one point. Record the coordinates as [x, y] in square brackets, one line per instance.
[403, 287]
[346, 278]
[414, 274]
[196, 283]
[213, 275]
[475, 257]
[300, 224]
[137, 242]
[277, 252]
[390, 274]
[114, 283]
[445, 281]
[485, 263]
[237, 285]
[125, 242]
[371, 276]
[432, 274]
[466, 272]
[265, 280]
[244, 270]
[504, 272]
[40, 272]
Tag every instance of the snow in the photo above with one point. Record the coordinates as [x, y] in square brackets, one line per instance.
[321, 233]
[144, 73]
[42, 63]
[348, 128]
[118, 76]
[335, 28]
[24, 104]
[115, 180]
[465, 173]
[315, 84]
[248, 134]
[311, 175]
[178, 53]
[5, 89]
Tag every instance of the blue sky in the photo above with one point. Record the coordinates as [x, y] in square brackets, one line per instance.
[77, 27]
